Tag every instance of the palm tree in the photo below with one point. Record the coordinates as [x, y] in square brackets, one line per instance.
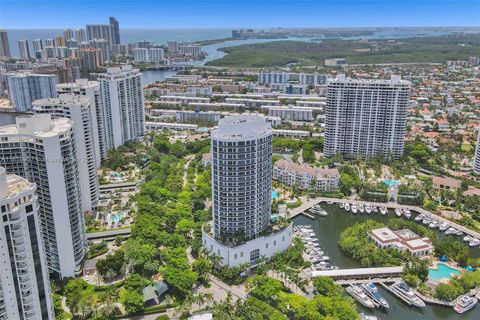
[209, 298]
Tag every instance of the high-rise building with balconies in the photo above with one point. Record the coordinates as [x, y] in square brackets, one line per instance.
[24, 282]
[365, 118]
[43, 151]
[476, 168]
[81, 110]
[123, 105]
[242, 193]
[91, 89]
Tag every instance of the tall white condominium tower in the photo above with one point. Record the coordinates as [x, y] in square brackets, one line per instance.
[24, 283]
[476, 168]
[123, 105]
[81, 111]
[241, 192]
[90, 89]
[25, 87]
[366, 117]
[43, 151]
[4, 46]
[24, 49]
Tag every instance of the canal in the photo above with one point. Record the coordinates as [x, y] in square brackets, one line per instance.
[328, 231]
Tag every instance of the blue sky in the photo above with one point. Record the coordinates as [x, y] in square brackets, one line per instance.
[238, 13]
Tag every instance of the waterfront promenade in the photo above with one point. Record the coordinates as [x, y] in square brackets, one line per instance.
[308, 203]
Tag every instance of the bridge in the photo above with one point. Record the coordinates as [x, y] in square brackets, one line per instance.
[309, 203]
[367, 274]
[109, 235]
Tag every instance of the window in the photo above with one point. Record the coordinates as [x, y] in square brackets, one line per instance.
[241, 254]
[266, 245]
[29, 208]
[254, 254]
[235, 256]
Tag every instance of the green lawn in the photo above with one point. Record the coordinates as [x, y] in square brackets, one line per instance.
[466, 147]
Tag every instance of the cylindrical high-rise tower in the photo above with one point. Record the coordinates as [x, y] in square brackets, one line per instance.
[241, 177]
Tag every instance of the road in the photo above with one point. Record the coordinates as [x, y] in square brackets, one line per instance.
[308, 203]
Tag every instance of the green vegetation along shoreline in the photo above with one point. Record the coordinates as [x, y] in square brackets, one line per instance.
[420, 49]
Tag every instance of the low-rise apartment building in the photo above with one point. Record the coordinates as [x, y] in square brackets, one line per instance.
[306, 177]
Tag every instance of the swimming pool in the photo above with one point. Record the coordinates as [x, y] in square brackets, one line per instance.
[391, 183]
[275, 194]
[116, 217]
[443, 271]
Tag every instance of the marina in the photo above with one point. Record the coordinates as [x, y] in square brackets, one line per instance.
[327, 231]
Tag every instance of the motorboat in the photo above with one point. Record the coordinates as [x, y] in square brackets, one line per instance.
[329, 202]
[372, 291]
[465, 303]
[368, 208]
[444, 226]
[404, 291]
[317, 210]
[427, 220]
[375, 209]
[434, 224]
[474, 242]
[383, 211]
[451, 230]
[368, 317]
[341, 205]
[354, 208]
[361, 208]
[467, 238]
[459, 233]
[407, 214]
[419, 217]
[398, 212]
[359, 295]
[347, 206]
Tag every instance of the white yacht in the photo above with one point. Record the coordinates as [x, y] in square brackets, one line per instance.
[434, 224]
[368, 208]
[398, 212]
[372, 291]
[347, 206]
[465, 303]
[383, 211]
[368, 317]
[444, 226]
[419, 217]
[451, 230]
[407, 213]
[361, 208]
[404, 291]
[358, 294]
[475, 242]
[317, 210]
[427, 220]
[354, 208]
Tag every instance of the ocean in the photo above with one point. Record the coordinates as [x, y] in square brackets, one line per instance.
[162, 36]
[158, 36]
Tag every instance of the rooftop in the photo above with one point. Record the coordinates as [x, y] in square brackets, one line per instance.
[39, 125]
[242, 127]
